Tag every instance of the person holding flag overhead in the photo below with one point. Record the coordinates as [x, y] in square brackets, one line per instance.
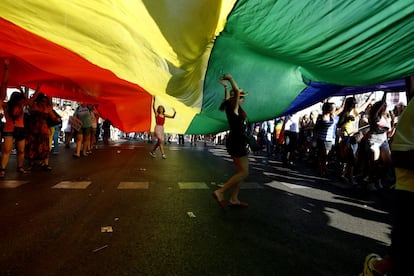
[236, 143]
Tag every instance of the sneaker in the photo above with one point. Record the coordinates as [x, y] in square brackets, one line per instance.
[164, 156]
[369, 266]
[152, 154]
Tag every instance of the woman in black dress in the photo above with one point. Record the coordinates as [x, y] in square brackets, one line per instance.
[236, 143]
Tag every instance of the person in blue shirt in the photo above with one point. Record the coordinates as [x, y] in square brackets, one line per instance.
[325, 133]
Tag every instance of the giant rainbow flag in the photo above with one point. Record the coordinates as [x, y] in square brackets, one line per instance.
[121, 53]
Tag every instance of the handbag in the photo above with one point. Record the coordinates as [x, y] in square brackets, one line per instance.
[75, 122]
[357, 137]
[252, 142]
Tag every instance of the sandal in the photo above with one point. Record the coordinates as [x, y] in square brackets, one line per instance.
[46, 168]
[221, 203]
[21, 170]
[239, 204]
[2, 173]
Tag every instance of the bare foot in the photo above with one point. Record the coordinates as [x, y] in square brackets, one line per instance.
[218, 195]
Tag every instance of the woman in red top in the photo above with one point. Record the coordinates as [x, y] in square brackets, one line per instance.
[13, 131]
[159, 128]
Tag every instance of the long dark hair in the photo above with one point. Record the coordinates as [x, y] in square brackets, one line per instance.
[15, 99]
[345, 115]
[327, 107]
[224, 104]
[375, 115]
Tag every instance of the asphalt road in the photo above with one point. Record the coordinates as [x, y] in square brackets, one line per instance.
[56, 223]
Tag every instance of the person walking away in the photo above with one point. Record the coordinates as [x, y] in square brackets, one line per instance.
[83, 136]
[181, 139]
[106, 129]
[95, 118]
[236, 142]
[159, 128]
[67, 128]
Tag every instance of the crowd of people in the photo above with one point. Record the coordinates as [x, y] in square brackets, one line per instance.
[32, 127]
[351, 140]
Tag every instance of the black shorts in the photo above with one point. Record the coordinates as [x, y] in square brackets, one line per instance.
[18, 134]
[236, 146]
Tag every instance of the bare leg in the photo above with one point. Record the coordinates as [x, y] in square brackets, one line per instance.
[20, 153]
[86, 144]
[156, 146]
[242, 167]
[161, 144]
[68, 138]
[323, 159]
[6, 150]
[79, 138]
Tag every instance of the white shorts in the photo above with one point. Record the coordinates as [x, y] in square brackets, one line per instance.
[159, 132]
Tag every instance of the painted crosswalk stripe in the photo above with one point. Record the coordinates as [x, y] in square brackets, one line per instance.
[72, 185]
[9, 184]
[250, 185]
[133, 185]
[192, 185]
[280, 184]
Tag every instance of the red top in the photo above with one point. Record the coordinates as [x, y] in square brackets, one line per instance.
[160, 120]
[10, 123]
